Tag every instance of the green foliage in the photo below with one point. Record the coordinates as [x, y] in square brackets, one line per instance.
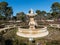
[55, 15]
[49, 16]
[14, 18]
[55, 10]
[21, 16]
[55, 7]
[5, 10]
[38, 12]
[0, 16]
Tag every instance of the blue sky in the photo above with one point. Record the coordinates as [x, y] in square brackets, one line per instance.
[26, 5]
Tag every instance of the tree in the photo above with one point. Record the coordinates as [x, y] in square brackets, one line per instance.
[43, 13]
[21, 16]
[49, 16]
[40, 14]
[5, 10]
[54, 15]
[55, 10]
[3, 6]
[38, 17]
[55, 7]
[8, 12]
[14, 18]
[0, 17]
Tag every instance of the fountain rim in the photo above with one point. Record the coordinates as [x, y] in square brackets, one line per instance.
[37, 35]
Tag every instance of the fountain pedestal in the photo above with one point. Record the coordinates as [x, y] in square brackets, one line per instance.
[32, 22]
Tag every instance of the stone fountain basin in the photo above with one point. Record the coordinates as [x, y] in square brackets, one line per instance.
[34, 33]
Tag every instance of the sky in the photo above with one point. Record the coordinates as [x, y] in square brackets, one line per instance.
[26, 5]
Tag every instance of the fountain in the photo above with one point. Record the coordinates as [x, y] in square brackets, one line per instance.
[32, 32]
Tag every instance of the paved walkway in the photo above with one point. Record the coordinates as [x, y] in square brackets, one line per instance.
[8, 27]
[55, 25]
